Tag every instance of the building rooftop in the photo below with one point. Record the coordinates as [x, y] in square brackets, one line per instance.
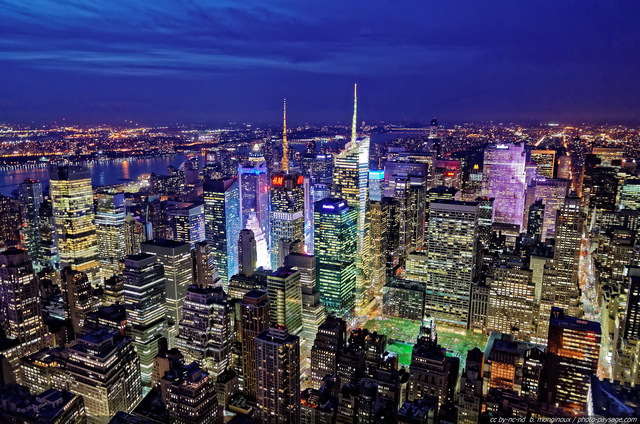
[559, 319]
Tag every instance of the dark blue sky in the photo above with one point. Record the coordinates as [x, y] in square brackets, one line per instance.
[195, 60]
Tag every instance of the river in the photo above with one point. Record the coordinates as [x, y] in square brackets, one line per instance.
[117, 171]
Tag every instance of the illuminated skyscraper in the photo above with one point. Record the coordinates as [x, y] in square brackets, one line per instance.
[135, 232]
[335, 247]
[205, 273]
[285, 298]
[432, 372]
[48, 236]
[545, 161]
[407, 184]
[189, 393]
[351, 183]
[630, 195]
[223, 224]
[187, 221]
[72, 199]
[504, 180]
[470, 395]
[560, 281]
[104, 369]
[263, 258]
[254, 189]
[79, 299]
[278, 376]
[451, 260]
[551, 192]
[287, 215]
[376, 185]
[511, 306]
[206, 334]
[254, 315]
[110, 223]
[144, 297]
[30, 195]
[329, 341]
[175, 257]
[20, 309]
[313, 312]
[626, 359]
[573, 351]
[10, 221]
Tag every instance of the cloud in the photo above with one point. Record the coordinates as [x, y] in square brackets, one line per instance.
[461, 55]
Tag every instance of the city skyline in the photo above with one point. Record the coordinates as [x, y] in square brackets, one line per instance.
[388, 269]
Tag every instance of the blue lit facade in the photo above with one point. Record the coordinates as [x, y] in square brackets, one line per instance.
[223, 224]
[335, 249]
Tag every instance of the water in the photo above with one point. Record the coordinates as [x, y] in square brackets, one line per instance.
[102, 173]
[114, 172]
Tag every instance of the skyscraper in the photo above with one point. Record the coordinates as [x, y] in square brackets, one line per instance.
[223, 224]
[247, 253]
[626, 363]
[511, 306]
[573, 351]
[103, 368]
[30, 195]
[504, 180]
[144, 297]
[254, 189]
[470, 395]
[278, 376]
[451, 260]
[110, 222]
[329, 341]
[630, 195]
[551, 192]
[313, 312]
[205, 331]
[189, 393]
[285, 299]
[187, 221]
[205, 273]
[72, 199]
[135, 232]
[175, 257]
[545, 161]
[407, 182]
[351, 183]
[287, 215]
[79, 299]
[335, 247]
[254, 316]
[20, 309]
[560, 281]
[432, 372]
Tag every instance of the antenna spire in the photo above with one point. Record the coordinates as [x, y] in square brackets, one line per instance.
[355, 112]
[285, 142]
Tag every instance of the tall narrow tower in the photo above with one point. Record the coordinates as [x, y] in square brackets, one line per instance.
[285, 142]
[351, 183]
[355, 113]
[73, 214]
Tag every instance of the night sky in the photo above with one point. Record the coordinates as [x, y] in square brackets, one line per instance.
[207, 61]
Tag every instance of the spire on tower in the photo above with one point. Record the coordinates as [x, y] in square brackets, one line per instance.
[355, 110]
[285, 143]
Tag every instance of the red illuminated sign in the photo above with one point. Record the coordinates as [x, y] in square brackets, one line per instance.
[278, 180]
[300, 180]
[449, 174]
